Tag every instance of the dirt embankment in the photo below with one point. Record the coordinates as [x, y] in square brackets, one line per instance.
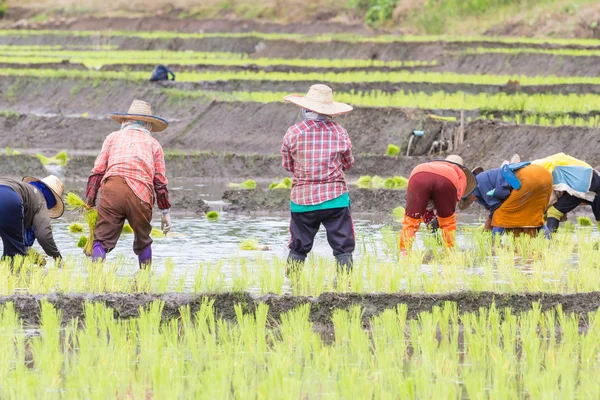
[363, 200]
[321, 308]
[488, 143]
[174, 23]
[212, 165]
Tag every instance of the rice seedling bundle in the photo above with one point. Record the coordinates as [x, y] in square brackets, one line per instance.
[212, 215]
[249, 184]
[584, 221]
[76, 203]
[60, 159]
[285, 183]
[392, 150]
[75, 227]
[127, 229]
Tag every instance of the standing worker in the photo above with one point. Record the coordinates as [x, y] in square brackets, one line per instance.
[436, 185]
[128, 171]
[318, 152]
[26, 208]
[516, 195]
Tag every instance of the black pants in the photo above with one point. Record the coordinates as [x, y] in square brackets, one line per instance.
[337, 222]
[567, 203]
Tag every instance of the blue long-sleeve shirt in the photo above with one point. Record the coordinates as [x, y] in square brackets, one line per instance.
[492, 189]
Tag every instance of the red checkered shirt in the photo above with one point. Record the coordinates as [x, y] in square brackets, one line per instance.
[317, 153]
[135, 155]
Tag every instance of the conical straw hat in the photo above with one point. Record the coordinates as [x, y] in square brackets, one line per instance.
[471, 180]
[319, 99]
[57, 187]
[141, 111]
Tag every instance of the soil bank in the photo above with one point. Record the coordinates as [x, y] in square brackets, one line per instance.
[321, 308]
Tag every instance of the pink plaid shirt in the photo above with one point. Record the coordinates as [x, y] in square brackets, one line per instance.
[135, 155]
[317, 153]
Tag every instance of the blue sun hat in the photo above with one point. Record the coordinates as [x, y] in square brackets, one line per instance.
[141, 111]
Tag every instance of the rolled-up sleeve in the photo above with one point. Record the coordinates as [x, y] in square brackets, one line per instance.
[160, 180]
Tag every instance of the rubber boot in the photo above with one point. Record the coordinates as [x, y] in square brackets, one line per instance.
[295, 262]
[145, 257]
[552, 224]
[410, 226]
[344, 262]
[448, 227]
[98, 252]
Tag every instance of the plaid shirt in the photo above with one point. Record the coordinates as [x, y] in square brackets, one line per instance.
[317, 153]
[135, 155]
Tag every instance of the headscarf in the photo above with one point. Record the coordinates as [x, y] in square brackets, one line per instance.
[48, 194]
[308, 115]
[135, 124]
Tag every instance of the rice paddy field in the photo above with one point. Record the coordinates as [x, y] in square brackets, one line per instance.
[215, 316]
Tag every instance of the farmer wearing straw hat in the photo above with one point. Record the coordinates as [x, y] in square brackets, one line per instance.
[26, 208]
[435, 188]
[516, 195]
[128, 172]
[318, 152]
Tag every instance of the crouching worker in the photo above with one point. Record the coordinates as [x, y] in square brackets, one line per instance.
[516, 195]
[575, 182]
[26, 208]
[435, 187]
[318, 152]
[128, 171]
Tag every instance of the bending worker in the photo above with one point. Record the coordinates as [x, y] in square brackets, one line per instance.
[26, 208]
[516, 195]
[436, 185]
[130, 170]
[318, 152]
[575, 182]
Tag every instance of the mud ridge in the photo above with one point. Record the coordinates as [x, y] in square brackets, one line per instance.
[321, 308]
[363, 200]
[213, 165]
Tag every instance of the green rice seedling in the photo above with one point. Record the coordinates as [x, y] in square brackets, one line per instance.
[364, 182]
[285, 183]
[212, 215]
[392, 150]
[11, 152]
[60, 159]
[76, 227]
[127, 229]
[398, 213]
[249, 184]
[584, 221]
[251, 244]
[76, 203]
[157, 233]
[82, 242]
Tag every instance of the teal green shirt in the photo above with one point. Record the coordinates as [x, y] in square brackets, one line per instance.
[338, 202]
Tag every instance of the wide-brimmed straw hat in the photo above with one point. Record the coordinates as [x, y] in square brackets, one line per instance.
[471, 181]
[141, 111]
[57, 187]
[319, 99]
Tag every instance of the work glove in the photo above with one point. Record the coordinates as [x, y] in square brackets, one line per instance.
[165, 222]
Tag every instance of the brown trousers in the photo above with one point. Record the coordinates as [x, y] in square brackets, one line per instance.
[117, 203]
